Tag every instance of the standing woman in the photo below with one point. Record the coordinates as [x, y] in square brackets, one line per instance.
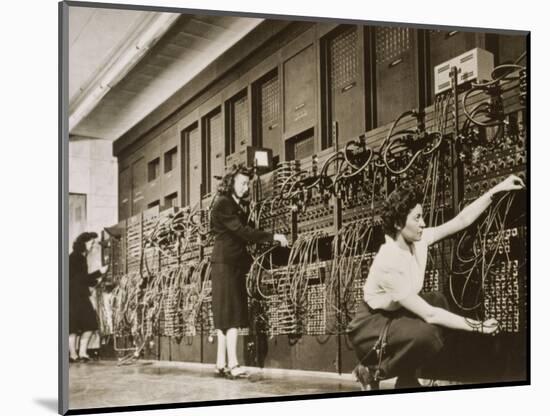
[397, 330]
[82, 316]
[230, 263]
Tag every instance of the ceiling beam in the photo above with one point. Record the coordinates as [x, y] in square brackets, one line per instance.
[146, 33]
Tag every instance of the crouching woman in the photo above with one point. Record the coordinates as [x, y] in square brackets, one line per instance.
[397, 330]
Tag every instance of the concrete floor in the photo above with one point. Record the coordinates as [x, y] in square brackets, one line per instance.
[105, 384]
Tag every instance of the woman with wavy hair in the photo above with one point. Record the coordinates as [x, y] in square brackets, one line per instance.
[82, 316]
[230, 263]
[398, 330]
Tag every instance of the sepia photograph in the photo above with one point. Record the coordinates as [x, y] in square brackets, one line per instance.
[260, 208]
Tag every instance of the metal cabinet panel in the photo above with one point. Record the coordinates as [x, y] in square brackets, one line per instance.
[139, 180]
[238, 128]
[270, 114]
[194, 175]
[124, 194]
[396, 72]
[345, 85]
[214, 136]
[299, 92]
[241, 119]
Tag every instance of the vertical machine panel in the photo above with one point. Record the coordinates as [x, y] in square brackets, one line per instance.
[124, 194]
[396, 72]
[215, 137]
[346, 85]
[238, 130]
[184, 168]
[270, 115]
[299, 91]
[241, 119]
[139, 180]
[194, 166]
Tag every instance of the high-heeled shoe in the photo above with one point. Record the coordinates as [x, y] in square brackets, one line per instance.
[236, 372]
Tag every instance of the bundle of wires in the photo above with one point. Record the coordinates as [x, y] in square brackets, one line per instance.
[125, 302]
[174, 234]
[350, 249]
[490, 112]
[303, 257]
[407, 143]
[475, 253]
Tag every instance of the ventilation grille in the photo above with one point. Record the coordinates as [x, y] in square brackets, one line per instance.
[344, 62]
[391, 43]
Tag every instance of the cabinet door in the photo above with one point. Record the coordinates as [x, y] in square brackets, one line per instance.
[299, 91]
[238, 128]
[214, 135]
[139, 180]
[124, 194]
[345, 85]
[194, 166]
[269, 114]
[241, 118]
[396, 72]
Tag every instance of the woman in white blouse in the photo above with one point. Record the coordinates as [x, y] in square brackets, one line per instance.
[397, 329]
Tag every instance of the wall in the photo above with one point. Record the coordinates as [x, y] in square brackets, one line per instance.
[93, 172]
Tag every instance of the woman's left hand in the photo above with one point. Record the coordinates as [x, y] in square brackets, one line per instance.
[511, 183]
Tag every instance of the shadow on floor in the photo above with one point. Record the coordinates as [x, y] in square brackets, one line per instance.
[49, 404]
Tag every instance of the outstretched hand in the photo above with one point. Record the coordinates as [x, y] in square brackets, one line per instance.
[281, 239]
[511, 183]
[490, 326]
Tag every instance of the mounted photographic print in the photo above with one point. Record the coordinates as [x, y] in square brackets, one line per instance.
[267, 207]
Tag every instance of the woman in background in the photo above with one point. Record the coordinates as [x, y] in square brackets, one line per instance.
[82, 316]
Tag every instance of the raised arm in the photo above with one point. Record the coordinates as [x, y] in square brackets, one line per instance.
[439, 316]
[471, 212]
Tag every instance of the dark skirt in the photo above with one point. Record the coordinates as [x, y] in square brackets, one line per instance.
[82, 315]
[411, 342]
[229, 299]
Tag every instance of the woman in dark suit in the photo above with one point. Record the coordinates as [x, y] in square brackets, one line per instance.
[82, 316]
[230, 263]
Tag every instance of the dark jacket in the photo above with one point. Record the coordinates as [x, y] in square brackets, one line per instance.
[231, 232]
[79, 279]
[82, 316]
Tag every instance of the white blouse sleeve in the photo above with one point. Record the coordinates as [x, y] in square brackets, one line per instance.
[428, 236]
